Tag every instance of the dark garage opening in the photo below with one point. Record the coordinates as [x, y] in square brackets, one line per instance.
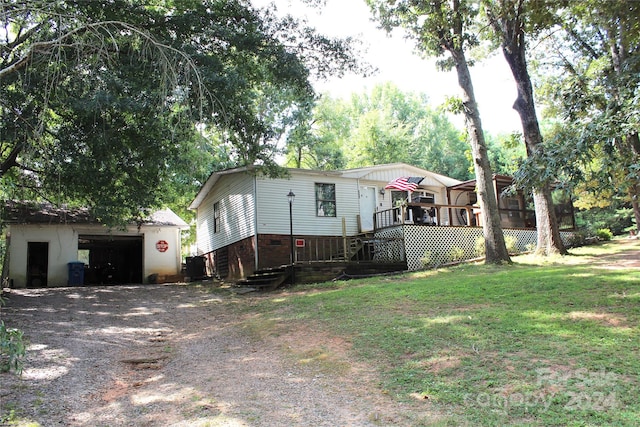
[111, 259]
[37, 264]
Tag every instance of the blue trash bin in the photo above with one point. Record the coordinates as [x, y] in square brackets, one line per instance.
[76, 274]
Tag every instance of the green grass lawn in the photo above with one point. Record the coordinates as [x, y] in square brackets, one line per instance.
[554, 342]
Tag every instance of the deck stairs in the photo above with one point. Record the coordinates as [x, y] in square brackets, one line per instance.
[356, 245]
[266, 279]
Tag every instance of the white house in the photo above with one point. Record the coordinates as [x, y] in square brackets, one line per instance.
[243, 221]
[50, 246]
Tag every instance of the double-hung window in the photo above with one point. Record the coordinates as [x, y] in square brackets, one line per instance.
[325, 199]
[216, 217]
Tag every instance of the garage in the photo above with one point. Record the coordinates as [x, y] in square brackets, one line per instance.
[50, 246]
[111, 259]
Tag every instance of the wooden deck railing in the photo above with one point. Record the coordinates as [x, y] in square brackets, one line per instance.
[457, 215]
[350, 249]
[425, 213]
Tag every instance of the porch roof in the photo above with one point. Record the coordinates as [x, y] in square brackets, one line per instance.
[471, 184]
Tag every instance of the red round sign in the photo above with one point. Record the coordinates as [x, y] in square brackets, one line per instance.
[162, 245]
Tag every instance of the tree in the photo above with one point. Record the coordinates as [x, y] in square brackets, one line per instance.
[592, 85]
[384, 125]
[389, 126]
[442, 27]
[99, 102]
[511, 20]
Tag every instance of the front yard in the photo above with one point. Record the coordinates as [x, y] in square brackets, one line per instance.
[536, 343]
[542, 343]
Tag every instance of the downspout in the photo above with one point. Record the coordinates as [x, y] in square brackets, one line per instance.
[255, 223]
[449, 203]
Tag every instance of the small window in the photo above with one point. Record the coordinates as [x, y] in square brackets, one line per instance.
[216, 217]
[325, 199]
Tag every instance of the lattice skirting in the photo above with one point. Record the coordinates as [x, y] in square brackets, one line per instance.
[429, 246]
[391, 248]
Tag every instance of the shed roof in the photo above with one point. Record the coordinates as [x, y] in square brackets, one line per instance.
[27, 212]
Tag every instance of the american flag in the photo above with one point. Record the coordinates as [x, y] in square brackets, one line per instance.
[405, 183]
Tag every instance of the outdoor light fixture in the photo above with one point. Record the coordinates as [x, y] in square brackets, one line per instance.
[291, 197]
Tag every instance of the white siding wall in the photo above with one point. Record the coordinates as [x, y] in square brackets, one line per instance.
[273, 206]
[235, 193]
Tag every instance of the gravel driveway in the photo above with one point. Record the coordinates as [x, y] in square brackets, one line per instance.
[164, 355]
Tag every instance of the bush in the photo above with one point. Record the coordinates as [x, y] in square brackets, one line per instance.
[604, 234]
[577, 239]
[12, 349]
[456, 254]
[511, 242]
[479, 247]
[432, 259]
[618, 220]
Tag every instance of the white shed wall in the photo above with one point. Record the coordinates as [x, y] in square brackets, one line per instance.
[156, 262]
[63, 248]
[235, 193]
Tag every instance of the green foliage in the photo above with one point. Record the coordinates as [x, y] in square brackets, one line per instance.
[428, 259]
[12, 349]
[507, 152]
[102, 103]
[383, 126]
[511, 242]
[619, 221]
[604, 234]
[456, 254]
[589, 78]
[478, 247]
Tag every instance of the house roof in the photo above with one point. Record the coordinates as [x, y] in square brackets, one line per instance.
[25, 212]
[215, 176]
[390, 170]
[381, 173]
[210, 182]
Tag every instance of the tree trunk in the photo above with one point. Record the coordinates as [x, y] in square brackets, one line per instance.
[495, 247]
[629, 146]
[513, 47]
[634, 194]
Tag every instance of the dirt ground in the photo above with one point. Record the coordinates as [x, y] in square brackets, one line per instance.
[173, 355]
[178, 355]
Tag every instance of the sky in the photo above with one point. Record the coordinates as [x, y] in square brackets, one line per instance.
[396, 62]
